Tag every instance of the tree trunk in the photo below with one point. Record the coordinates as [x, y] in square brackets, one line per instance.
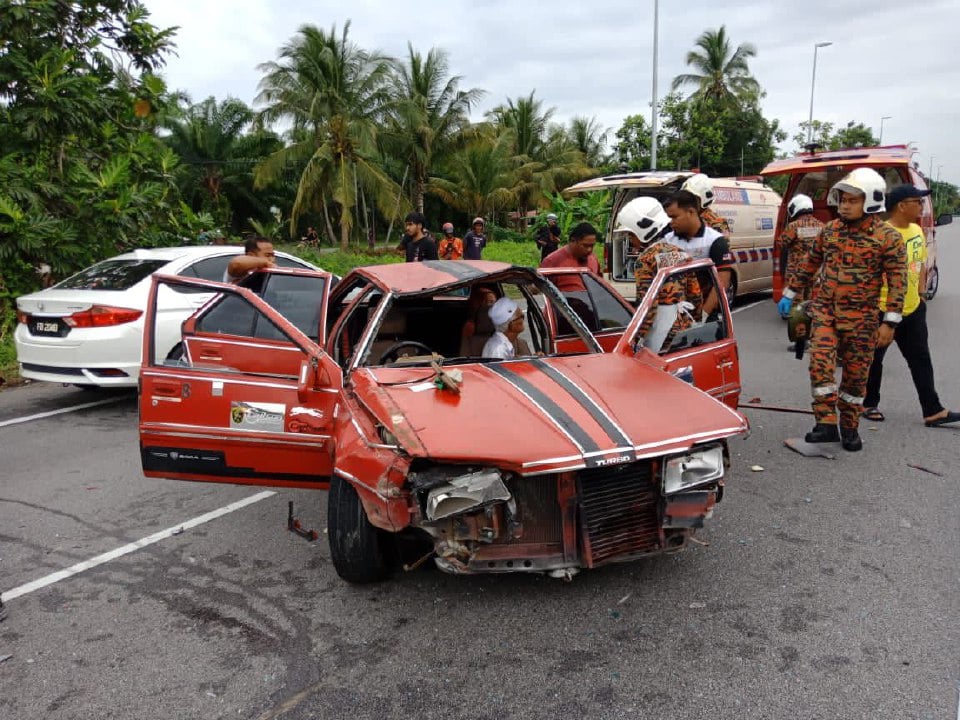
[344, 231]
[326, 217]
[397, 207]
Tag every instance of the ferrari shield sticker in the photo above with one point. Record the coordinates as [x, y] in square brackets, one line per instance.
[257, 416]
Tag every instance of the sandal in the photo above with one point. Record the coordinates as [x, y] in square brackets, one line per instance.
[950, 417]
[873, 414]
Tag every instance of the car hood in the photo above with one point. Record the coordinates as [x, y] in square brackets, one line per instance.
[548, 414]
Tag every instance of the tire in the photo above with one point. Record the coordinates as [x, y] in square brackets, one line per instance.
[355, 545]
[933, 283]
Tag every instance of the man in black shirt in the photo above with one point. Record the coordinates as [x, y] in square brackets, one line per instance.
[548, 236]
[417, 244]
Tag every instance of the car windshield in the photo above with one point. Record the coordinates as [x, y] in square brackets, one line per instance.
[112, 275]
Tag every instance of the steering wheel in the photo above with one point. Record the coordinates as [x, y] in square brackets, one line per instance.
[394, 350]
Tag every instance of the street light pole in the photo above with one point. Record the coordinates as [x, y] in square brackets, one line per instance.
[653, 119]
[930, 174]
[885, 117]
[813, 83]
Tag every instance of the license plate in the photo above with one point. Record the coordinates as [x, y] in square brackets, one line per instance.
[45, 327]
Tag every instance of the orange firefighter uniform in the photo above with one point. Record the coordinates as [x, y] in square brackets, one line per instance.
[718, 223]
[853, 259]
[795, 243]
[675, 291]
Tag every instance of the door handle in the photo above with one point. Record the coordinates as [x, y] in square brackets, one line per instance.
[209, 354]
[166, 389]
[724, 362]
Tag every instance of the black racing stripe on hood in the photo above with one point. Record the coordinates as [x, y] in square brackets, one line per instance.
[459, 270]
[617, 436]
[556, 413]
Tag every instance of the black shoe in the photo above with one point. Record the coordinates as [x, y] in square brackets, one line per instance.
[851, 440]
[823, 433]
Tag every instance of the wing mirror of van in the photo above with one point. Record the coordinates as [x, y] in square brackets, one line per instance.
[944, 219]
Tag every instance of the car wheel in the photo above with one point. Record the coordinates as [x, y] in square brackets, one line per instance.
[933, 283]
[355, 545]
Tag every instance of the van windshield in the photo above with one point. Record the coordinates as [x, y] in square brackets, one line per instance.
[816, 184]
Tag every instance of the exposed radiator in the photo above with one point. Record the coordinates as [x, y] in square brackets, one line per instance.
[618, 512]
[537, 508]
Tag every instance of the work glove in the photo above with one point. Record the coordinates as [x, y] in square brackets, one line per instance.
[783, 307]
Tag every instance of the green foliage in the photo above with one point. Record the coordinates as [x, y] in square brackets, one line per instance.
[721, 73]
[633, 143]
[853, 135]
[946, 198]
[719, 137]
[593, 207]
[82, 173]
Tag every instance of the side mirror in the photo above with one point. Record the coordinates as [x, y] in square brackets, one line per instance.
[312, 377]
[944, 219]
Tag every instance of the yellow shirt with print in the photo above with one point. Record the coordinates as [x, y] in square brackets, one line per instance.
[916, 255]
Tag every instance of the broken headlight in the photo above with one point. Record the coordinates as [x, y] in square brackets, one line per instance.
[696, 468]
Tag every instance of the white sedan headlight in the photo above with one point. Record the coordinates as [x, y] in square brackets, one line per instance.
[686, 471]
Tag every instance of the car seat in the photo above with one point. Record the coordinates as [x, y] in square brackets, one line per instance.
[392, 330]
[475, 333]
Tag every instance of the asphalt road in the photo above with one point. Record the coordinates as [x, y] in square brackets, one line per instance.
[823, 589]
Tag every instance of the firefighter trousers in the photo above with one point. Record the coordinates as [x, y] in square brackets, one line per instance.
[852, 348]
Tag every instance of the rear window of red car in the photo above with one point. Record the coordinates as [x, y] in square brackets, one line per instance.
[112, 275]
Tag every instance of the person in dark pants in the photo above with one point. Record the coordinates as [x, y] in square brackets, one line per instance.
[548, 236]
[905, 205]
[475, 240]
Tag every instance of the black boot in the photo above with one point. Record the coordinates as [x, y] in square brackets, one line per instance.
[823, 433]
[851, 440]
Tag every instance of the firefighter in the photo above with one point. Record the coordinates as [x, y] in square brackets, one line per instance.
[701, 186]
[680, 299]
[853, 255]
[798, 237]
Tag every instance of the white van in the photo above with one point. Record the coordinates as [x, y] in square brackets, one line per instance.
[750, 208]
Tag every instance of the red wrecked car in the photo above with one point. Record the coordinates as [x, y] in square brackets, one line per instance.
[563, 457]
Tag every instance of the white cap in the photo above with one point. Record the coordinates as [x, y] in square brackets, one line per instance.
[502, 311]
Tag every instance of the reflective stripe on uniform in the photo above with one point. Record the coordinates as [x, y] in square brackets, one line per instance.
[824, 390]
[851, 399]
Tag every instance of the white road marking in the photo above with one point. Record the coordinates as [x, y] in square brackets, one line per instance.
[747, 307]
[51, 413]
[129, 548]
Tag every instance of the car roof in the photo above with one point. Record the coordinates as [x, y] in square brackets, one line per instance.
[416, 277]
[177, 252]
[654, 179]
[858, 157]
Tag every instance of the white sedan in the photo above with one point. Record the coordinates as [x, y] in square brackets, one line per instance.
[88, 329]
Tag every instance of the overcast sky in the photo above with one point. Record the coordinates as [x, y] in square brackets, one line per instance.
[594, 58]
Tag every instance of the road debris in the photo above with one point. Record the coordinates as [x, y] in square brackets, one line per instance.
[756, 468]
[4, 658]
[926, 470]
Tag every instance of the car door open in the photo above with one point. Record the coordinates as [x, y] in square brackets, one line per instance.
[249, 399]
[692, 344]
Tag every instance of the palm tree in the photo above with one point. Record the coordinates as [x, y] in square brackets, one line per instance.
[428, 115]
[483, 177]
[528, 120]
[335, 95]
[721, 73]
[544, 157]
[218, 150]
[590, 138]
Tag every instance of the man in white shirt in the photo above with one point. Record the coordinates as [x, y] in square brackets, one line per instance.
[507, 318]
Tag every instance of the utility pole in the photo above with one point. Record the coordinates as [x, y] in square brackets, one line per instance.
[813, 83]
[653, 104]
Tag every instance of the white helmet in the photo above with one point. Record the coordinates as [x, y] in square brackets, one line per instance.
[862, 181]
[644, 217]
[800, 203]
[700, 186]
